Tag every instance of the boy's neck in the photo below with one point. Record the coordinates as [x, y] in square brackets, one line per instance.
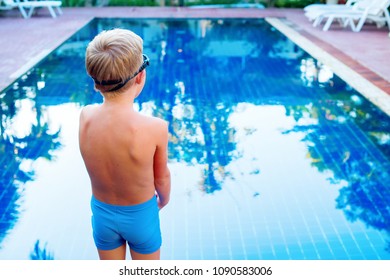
[122, 99]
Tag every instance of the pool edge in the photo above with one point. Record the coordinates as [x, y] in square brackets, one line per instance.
[365, 87]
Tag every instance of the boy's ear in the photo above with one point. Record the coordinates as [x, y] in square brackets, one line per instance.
[139, 77]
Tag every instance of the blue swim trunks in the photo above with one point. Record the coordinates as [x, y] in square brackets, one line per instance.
[138, 224]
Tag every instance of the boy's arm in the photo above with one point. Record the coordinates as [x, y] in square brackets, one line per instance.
[81, 125]
[162, 175]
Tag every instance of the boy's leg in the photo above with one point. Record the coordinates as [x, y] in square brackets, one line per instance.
[139, 256]
[115, 254]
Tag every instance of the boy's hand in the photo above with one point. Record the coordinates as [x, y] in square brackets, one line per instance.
[159, 203]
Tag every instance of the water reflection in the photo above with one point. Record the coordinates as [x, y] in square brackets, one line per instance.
[204, 75]
[333, 133]
[41, 252]
[24, 139]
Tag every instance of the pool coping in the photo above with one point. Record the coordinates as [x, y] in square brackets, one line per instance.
[362, 79]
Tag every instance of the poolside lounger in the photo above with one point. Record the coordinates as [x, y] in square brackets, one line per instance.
[314, 10]
[27, 8]
[4, 5]
[314, 7]
[356, 16]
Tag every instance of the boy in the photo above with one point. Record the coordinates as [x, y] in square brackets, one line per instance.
[125, 153]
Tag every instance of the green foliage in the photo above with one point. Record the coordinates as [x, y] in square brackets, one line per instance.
[266, 3]
[124, 3]
[132, 3]
[73, 3]
[209, 2]
[294, 3]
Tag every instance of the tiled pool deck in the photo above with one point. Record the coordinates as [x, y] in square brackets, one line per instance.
[24, 42]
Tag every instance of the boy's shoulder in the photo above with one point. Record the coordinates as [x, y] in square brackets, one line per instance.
[156, 122]
[89, 108]
[87, 111]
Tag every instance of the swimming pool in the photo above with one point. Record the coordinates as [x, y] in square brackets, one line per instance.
[272, 155]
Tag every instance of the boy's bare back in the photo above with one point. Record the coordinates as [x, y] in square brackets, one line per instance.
[124, 152]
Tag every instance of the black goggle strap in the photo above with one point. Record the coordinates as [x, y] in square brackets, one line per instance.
[106, 83]
[120, 83]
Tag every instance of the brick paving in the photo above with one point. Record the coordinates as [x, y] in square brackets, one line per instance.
[24, 42]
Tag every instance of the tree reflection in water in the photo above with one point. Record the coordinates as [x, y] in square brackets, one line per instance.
[21, 146]
[189, 66]
[335, 142]
[41, 253]
[26, 132]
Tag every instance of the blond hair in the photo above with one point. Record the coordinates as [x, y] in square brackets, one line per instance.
[113, 55]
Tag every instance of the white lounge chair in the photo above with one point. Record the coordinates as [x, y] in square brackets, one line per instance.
[4, 5]
[357, 15]
[27, 8]
[314, 10]
[315, 7]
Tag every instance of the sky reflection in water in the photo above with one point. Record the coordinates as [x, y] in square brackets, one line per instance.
[272, 157]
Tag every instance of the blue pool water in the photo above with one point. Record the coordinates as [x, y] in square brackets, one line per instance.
[272, 156]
